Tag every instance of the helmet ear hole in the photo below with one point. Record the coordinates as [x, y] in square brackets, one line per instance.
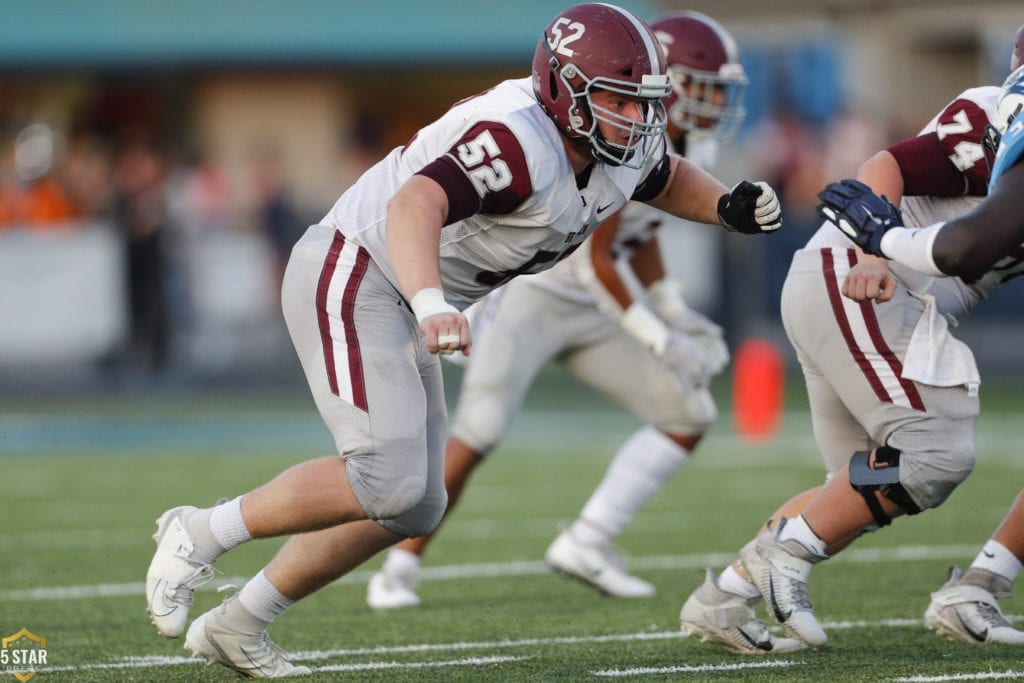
[553, 85]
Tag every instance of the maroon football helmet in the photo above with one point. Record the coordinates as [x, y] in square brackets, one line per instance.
[702, 59]
[602, 47]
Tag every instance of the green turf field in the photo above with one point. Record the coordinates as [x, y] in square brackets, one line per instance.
[82, 483]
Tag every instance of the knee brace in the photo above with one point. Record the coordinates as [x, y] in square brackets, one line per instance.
[884, 477]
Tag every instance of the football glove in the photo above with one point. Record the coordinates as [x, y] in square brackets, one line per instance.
[750, 208]
[685, 357]
[667, 299]
[862, 215]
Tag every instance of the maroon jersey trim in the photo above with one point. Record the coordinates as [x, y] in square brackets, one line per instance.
[655, 182]
[485, 171]
[950, 161]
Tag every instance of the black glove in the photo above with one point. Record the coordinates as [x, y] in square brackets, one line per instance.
[862, 215]
[750, 208]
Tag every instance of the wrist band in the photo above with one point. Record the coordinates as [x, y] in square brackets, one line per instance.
[430, 301]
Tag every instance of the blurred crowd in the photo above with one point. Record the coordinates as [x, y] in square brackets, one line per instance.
[166, 200]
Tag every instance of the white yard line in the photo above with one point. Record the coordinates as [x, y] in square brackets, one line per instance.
[981, 675]
[515, 568]
[485, 659]
[691, 669]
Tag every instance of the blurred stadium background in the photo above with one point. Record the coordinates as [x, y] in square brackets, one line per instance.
[157, 160]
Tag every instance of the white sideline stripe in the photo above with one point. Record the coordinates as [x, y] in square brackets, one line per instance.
[703, 668]
[981, 675]
[515, 568]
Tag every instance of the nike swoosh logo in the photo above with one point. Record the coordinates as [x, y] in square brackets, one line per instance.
[779, 614]
[602, 209]
[980, 637]
[765, 645]
[988, 554]
[157, 600]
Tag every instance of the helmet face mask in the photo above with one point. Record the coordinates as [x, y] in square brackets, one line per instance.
[592, 48]
[708, 81]
[1008, 108]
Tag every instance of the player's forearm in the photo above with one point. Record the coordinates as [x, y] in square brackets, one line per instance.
[647, 263]
[692, 194]
[415, 216]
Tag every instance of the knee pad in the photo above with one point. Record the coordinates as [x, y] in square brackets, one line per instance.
[421, 519]
[884, 477]
[398, 496]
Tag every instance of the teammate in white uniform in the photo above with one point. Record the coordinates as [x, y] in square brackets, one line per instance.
[893, 395]
[987, 240]
[505, 183]
[583, 315]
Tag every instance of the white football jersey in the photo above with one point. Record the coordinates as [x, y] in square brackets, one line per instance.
[529, 212]
[959, 128]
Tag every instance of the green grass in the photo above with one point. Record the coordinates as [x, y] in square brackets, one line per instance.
[82, 518]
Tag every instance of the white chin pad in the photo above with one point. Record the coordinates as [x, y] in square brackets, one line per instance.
[443, 339]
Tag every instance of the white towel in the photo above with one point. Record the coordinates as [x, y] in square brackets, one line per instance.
[935, 357]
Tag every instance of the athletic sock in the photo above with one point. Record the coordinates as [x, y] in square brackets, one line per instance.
[401, 561]
[996, 558]
[798, 530]
[731, 582]
[262, 601]
[206, 547]
[642, 465]
[228, 526]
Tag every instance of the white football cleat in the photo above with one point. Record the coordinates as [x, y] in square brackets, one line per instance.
[780, 571]
[721, 617]
[598, 566]
[254, 655]
[969, 612]
[390, 589]
[174, 573]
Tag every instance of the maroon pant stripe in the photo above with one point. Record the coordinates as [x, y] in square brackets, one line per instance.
[348, 308]
[322, 287]
[835, 298]
[867, 310]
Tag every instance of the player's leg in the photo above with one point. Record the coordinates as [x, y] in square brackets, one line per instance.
[394, 585]
[525, 329]
[721, 609]
[927, 434]
[235, 633]
[677, 417]
[391, 474]
[965, 606]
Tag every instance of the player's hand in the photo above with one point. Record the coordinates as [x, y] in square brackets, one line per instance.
[750, 208]
[870, 280]
[862, 215]
[687, 359]
[444, 327]
[446, 333]
[704, 332]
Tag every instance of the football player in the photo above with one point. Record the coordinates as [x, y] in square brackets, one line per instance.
[583, 315]
[893, 395]
[505, 183]
[981, 247]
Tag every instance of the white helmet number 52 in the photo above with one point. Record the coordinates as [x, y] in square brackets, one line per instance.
[559, 43]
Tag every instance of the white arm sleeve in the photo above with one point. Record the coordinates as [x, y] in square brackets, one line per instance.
[913, 248]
